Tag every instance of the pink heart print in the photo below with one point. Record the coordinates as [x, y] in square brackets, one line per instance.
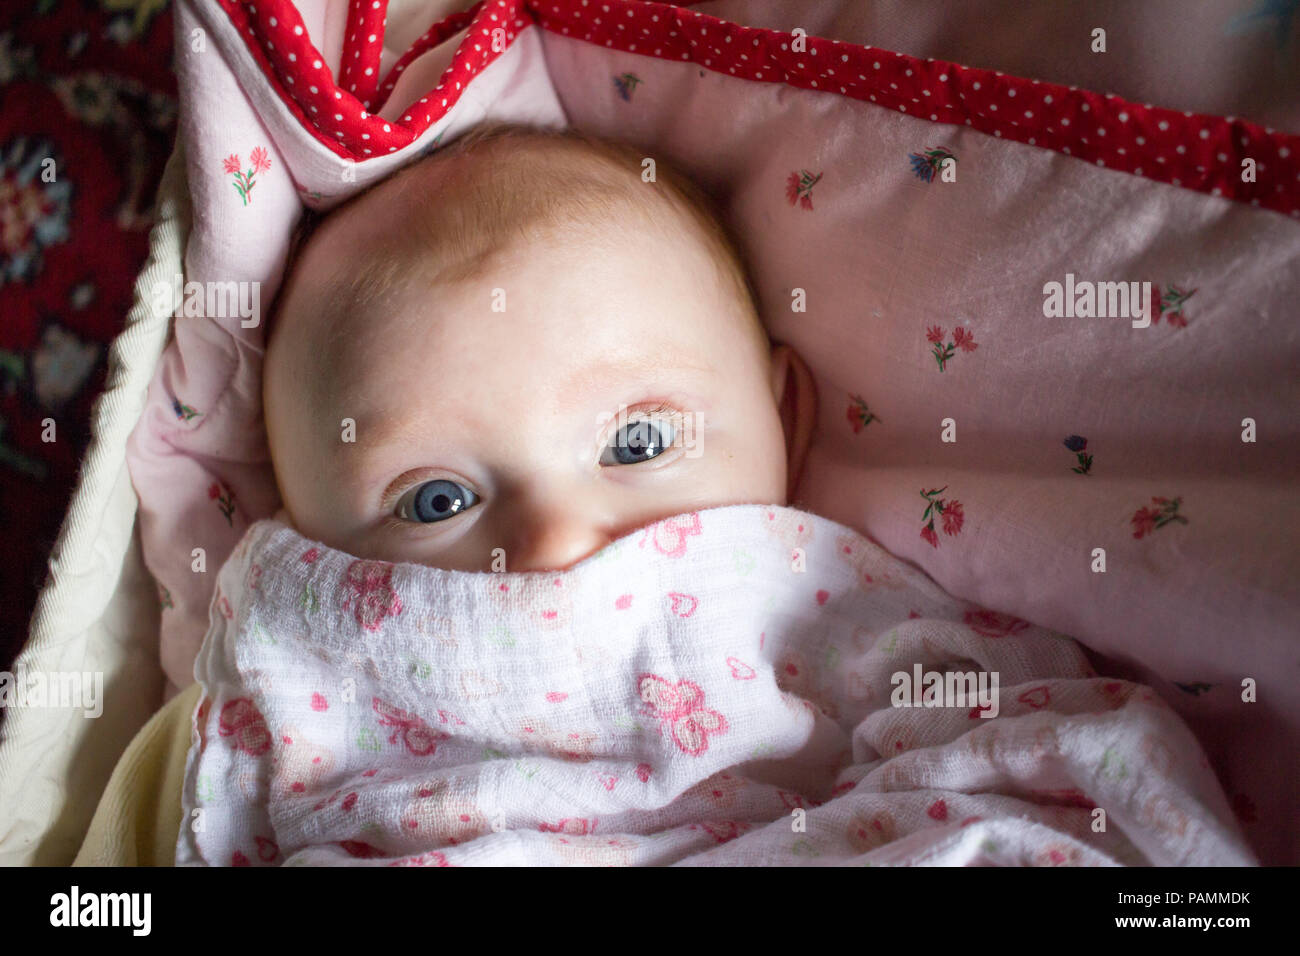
[683, 605]
[669, 536]
[740, 670]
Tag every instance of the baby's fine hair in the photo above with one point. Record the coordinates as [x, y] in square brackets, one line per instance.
[503, 182]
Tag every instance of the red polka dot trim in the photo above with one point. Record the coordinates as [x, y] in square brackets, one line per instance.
[1193, 151]
[435, 35]
[341, 115]
[363, 41]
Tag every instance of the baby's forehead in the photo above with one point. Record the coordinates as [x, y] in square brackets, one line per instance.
[450, 218]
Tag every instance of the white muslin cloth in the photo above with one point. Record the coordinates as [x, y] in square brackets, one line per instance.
[723, 687]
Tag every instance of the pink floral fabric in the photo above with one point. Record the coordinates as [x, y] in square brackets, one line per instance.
[718, 688]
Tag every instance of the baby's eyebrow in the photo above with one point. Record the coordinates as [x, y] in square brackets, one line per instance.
[638, 368]
[384, 431]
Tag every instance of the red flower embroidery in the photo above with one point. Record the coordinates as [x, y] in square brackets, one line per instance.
[952, 517]
[1147, 520]
[950, 511]
[245, 180]
[681, 708]
[994, 624]
[225, 499]
[260, 160]
[370, 584]
[963, 339]
[1144, 521]
[1169, 305]
[859, 415]
[798, 188]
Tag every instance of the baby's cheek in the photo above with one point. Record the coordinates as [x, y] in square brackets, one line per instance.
[752, 469]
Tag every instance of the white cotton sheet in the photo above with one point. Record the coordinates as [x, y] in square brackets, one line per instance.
[723, 687]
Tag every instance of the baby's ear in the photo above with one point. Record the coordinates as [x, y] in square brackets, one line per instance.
[796, 398]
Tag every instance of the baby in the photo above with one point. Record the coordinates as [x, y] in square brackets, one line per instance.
[539, 352]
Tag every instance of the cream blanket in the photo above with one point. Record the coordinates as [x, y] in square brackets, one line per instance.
[746, 685]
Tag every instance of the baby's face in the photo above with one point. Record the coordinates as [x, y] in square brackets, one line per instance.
[487, 412]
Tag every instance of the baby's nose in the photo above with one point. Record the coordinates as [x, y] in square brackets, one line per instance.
[547, 539]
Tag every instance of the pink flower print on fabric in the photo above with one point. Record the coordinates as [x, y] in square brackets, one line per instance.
[241, 719]
[859, 414]
[681, 708]
[669, 536]
[799, 186]
[220, 492]
[947, 509]
[417, 736]
[1169, 305]
[369, 583]
[962, 338]
[1147, 520]
[244, 180]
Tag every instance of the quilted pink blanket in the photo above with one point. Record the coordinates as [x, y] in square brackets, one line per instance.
[1118, 473]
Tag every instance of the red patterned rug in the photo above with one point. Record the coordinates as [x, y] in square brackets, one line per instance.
[87, 120]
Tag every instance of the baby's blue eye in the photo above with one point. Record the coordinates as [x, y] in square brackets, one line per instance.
[435, 501]
[639, 441]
